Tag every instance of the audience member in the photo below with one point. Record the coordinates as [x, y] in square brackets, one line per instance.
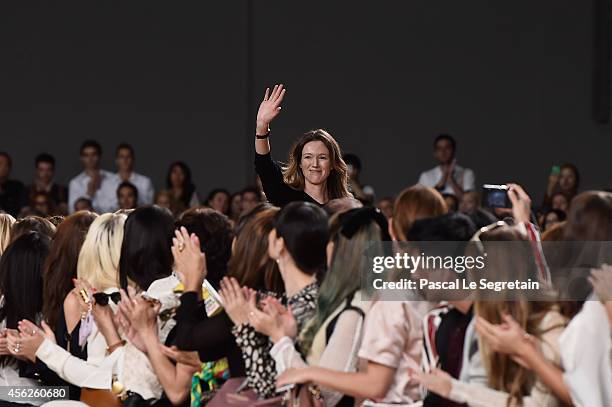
[163, 199]
[470, 201]
[12, 192]
[564, 180]
[6, 225]
[127, 195]
[124, 161]
[448, 177]
[40, 205]
[365, 193]
[235, 209]
[414, 203]
[60, 308]
[22, 292]
[96, 269]
[93, 183]
[44, 182]
[32, 224]
[219, 200]
[83, 204]
[551, 218]
[385, 205]
[341, 205]
[181, 188]
[452, 203]
[297, 243]
[316, 171]
[560, 201]
[333, 336]
[250, 197]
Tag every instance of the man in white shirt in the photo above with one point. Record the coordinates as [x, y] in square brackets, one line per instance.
[447, 177]
[93, 183]
[124, 160]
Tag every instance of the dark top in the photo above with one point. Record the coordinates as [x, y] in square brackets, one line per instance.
[449, 341]
[277, 192]
[68, 341]
[211, 337]
[12, 197]
[57, 193]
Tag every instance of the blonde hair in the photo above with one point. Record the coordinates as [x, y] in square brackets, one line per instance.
[98, 262]
[337, 182]
[6, 224]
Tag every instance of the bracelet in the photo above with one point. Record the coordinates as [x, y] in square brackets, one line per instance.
[265, 136]
[114, 346]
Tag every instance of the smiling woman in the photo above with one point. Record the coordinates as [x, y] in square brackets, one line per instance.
[316, 172]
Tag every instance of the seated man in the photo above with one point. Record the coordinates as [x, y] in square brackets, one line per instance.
[447, 177]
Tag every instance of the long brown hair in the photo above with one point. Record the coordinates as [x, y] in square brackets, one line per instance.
[250, 264]
[414, 203]
[337, 182]
[590, 217]
[504, 373]
[61, 264]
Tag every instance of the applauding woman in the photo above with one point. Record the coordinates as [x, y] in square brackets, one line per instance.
[316, 172]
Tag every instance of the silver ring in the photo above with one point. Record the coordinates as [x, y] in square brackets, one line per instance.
[181, 246]
[16, 350]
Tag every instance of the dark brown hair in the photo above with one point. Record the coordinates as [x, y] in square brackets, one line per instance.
[337, 183]
[32, 224]
[215, 233]
[590, 217]
[250, 263]
[61, 264]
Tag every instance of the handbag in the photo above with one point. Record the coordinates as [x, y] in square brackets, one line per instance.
[304, 395]
[99, 398]
[235, 393]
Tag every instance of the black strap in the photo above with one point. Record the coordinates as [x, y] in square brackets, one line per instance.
[348, 307]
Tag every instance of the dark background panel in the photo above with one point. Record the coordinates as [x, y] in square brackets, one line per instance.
[168, 78]
[512, 81]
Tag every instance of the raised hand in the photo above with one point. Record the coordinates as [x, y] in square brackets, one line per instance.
[189, 260]
[521, 203]
[269, 108]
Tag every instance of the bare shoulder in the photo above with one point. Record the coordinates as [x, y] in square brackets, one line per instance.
[72, 311]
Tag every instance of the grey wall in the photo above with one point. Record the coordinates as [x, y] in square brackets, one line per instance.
[511, 81]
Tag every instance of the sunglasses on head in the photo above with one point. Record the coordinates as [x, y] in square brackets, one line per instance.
[102, 298]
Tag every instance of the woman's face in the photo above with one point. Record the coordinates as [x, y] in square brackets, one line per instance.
[567, 180]
[126, 198]
[220, 202]
[315, 162]
[559, 201]
[550, 220]
[237, 204]
[163, 200]
[177, 177]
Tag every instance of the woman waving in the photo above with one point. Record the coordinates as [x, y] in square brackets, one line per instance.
[315, 172]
